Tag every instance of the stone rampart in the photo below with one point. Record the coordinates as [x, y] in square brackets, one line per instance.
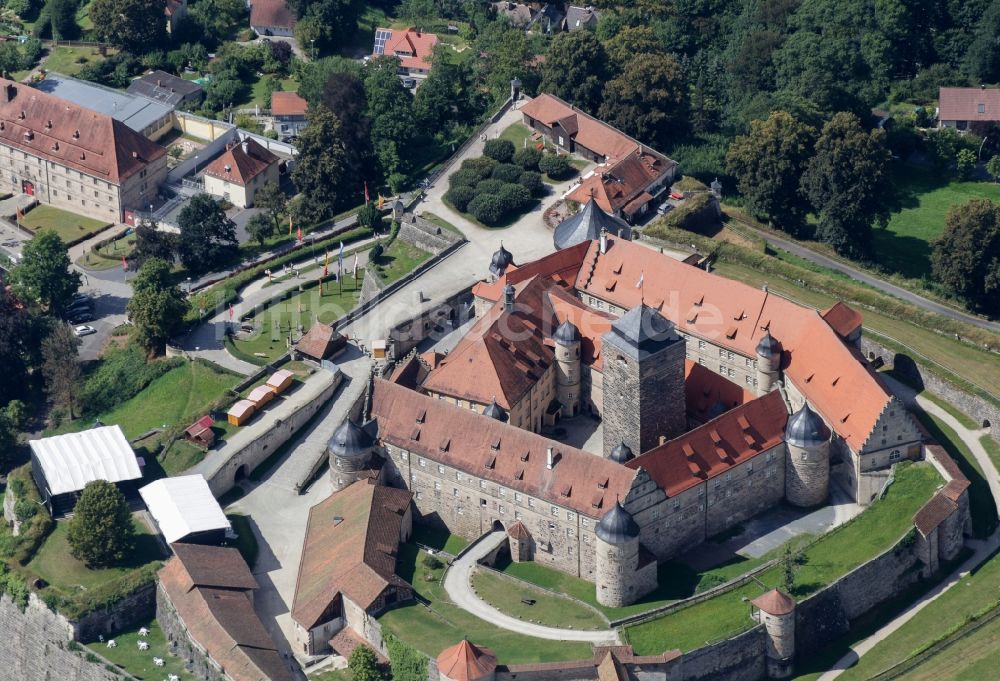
[425, 235]
[740, 658]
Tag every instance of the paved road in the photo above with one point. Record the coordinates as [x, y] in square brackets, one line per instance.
[982, 549]
[457, 584]
[871, 280]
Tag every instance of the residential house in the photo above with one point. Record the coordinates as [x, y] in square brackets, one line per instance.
[289, 112]
[240, 171]
[413, 48]
[580, 17]
[965, 108]
[272, 18]
[518, 14]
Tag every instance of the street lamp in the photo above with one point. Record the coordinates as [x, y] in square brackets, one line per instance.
[189, 285]
[312, 43]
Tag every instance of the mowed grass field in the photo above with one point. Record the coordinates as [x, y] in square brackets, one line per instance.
[925, 197]
[69, 226]
[508, 596]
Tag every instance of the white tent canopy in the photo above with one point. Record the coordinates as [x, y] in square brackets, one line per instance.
[182, 506]
[70, 461]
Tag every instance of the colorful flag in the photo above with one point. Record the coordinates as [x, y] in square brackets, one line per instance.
[366, 192]
[340, 259]
[326, 265]
[355, 273]
[124, 264]
[289, 225]
[231, 311]
[381, 200]
[298, 234]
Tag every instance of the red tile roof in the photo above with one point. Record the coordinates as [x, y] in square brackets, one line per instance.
[622, 184]
[843, 319]
[418, 45]
[200, 426]
[716, 446]
[835, 379]
[349, 549]
[271, 13]
[241, 162]
[320, 341]
[221, 617]
[962, 104]
[775, 602]
[64, 133]
[288, 104]
[519, 531]
[498, 452]
[466, 662]
[933, 513]
[562, 267]
[703, 389]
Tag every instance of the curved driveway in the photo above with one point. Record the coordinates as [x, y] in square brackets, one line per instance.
[457, 584]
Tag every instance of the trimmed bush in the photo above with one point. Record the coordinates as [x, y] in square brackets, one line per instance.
[528, 158]
[482, 166]
[514, 198]
[464, 177]
[489, 187]
[459, 196]
[555, 166]
[487, 208]
[500, 150]
[507, 172]
[531, 181]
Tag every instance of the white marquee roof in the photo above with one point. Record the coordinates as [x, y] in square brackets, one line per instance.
[182, 506]
[70, 461]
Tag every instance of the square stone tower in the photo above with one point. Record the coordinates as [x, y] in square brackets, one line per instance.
[643, 381]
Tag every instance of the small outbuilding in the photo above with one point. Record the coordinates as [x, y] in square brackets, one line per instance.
[241, 412]
[260, 396]
[62, 465]
[466, 661]
[185, 510]
[321, 342]
[280, 381]
[200, 432]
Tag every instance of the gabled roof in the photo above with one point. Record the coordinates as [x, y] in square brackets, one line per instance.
[622, 184]
[200, 426]
[214, 566]
[706, 392]
[288, 104]
[498, 452]
[59, 131]
[222, 620]
[832, 376]
[610, 669]
[586, 130]
[580, 17]
[466, 662]
[713, 448]
[271, 13]
[183, 505]
[933, 513]
[349, 549]
[963, 103]
[72, 460]
[842, 318]
[241, 162]
[417, 44]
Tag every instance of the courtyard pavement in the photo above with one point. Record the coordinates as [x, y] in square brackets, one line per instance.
[457, 584]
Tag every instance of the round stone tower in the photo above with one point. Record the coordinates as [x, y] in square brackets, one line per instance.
[768, 363]
[617, 557]
[807, 466]
[621, 453]
[776, 611]
[567, 352]
[350, 450]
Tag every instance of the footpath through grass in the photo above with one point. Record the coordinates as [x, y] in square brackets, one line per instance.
[509, 595]
[827, 559]
[431, 630]
[69, 226]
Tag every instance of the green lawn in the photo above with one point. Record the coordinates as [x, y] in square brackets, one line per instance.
[67, 60]
[258, 93]
[519, 135]
[506, 594]
[827, 559]
[441, 222]
[926, 196]
[139, 663]
[399, 259]
[439, 539]
[433, 629]
[66, 574]
[108, 256]
[962, 360]
[992, 448]
[975, 593]
[332, 675]
[277, 320]
[69, 226]
[972, 658]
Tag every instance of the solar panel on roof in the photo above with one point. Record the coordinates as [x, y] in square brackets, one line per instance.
[381, 36]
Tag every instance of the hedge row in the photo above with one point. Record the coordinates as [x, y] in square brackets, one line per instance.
[21, 549]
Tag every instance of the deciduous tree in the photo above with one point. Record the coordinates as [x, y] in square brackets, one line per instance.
[16, 340]
[101, 533]
[390, 107]
[993, 168]
[44, 277]
[157, 305]
[133, 25]
[768, 164]
[966, 257]
[270, 199]
[648, 100]
[60, 367]
[846, 182]
[260, 227]
[320, 171]
[575, 69]
[152, 243]
[208, 236]
[344, 95]
[364, 664]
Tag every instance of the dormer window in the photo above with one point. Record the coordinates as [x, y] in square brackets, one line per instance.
[981, 108]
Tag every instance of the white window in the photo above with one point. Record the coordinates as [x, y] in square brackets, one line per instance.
[895, 455]
[531, 502]
[413, 477]
[419, 495]
[503, 491]
[482, 484]
[454, 491]
[701, 344]
[585, 522]
[437, 485]
[570, 532]
[501, 509]
[677, 504]
[405, 456]
[517, 496]
[750, 468]
[555, 511]
[458, 475]
[422, 462]
[441, 469]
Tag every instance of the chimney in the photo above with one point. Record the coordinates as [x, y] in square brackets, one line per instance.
[663, 440]
[10, 92]
[159, 83]
[508, 298]
[604, 240]
[246, 147]
[76, 134]
[550, 458]
[135, 154]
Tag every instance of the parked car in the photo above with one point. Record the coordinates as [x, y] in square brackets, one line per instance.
[81, 317]
[409, 83]
[84, 330]
[81, 305]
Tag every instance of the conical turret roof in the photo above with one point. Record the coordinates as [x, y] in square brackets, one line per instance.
[501, 260]
[495, 411]
[617, 526]
[768, 346]
[806, 428]
[566, 333]
[466, 662]
[587, 225]
[350, 440]
[621, 453]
